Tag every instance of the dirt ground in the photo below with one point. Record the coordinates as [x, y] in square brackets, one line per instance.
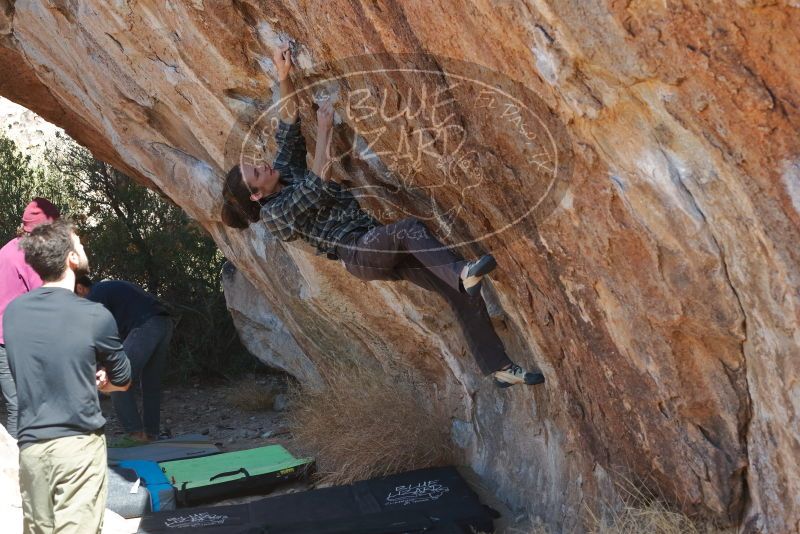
[209, 409]
[212, 409]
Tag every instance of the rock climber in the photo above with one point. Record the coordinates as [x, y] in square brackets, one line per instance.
[293, 202]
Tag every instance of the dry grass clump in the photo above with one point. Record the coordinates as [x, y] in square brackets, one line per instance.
[531, 527]
[643, 512]
[634, 510]
[652, 518]
[366, 423]
[251, 396]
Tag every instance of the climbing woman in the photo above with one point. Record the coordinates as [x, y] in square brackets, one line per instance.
[293, 202]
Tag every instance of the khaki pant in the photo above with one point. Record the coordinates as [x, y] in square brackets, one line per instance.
[63, 482]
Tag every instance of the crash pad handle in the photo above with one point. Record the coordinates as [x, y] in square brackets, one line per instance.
[230, 474]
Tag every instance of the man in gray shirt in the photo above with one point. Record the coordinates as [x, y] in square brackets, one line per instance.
[55, 341]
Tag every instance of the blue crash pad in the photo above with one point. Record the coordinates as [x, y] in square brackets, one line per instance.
[162, 494]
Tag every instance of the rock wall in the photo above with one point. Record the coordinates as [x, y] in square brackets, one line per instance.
[657, 287]
[262, 332]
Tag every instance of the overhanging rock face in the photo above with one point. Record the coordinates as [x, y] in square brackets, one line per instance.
[656, 282]
[262, 332]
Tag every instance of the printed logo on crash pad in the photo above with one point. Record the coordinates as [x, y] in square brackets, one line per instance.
[203, 519]
[417, 493]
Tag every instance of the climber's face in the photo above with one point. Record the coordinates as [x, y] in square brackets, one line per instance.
[262, 180]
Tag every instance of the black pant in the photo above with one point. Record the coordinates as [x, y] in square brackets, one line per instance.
[406, 250]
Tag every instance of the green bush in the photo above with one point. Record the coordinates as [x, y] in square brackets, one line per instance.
[20, 181]
[133, 233]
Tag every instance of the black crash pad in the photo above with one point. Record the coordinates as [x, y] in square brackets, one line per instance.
[432, 501]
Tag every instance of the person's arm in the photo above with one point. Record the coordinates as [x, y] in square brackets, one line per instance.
[282, 57]
[291, 149]
[110, 354]
[321, 166]
[291, 146]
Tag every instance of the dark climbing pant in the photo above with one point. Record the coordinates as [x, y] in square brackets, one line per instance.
[146, 346]
[406, 250]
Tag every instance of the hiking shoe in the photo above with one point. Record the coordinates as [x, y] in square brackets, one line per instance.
[474, 273]
[505, 378]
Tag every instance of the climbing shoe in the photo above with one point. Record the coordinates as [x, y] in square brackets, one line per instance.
[474, 272]
[505, 378]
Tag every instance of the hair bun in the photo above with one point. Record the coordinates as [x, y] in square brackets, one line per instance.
[231, 216]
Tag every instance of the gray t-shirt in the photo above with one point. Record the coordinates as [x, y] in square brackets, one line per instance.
[54, 341]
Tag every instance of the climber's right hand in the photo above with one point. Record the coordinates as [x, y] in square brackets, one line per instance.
[282, 57]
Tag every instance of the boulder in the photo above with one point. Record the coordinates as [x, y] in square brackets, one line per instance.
[634, 167]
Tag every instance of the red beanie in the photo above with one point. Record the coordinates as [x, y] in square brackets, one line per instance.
[39, 211]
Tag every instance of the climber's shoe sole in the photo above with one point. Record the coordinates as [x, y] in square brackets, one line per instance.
[476, 270]
[516, 375]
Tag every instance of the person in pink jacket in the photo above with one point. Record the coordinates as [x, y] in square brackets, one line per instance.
[16, 278]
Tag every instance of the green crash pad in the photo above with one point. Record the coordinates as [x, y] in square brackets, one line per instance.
[229, 473]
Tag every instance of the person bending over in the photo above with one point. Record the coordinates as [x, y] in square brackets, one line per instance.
[293, 202]
[146, 327]
[55, 341]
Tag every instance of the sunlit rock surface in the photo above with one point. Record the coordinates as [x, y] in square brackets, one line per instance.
[31, 133]
[262, 332]
[657, 287]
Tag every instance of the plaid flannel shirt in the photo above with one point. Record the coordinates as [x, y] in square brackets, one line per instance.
[307, 207]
